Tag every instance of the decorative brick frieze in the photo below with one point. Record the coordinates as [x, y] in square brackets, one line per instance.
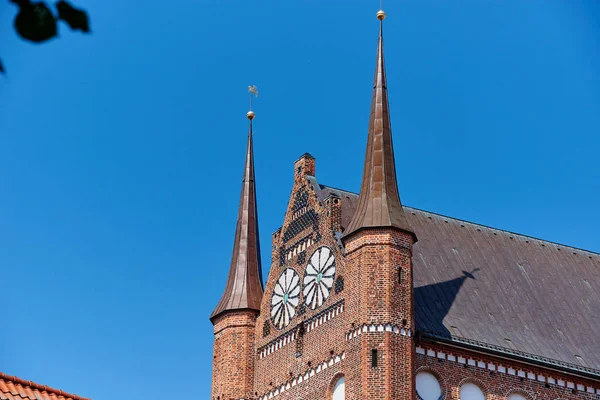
[299, 246]
[324, 316]
[303, 378]
[276, 344]
[378, 328]
[310, 324]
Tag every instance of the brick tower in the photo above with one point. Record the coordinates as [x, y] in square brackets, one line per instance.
[234, 318]
[378, 244]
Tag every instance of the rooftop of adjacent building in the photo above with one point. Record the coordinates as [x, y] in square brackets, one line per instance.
[13, 388]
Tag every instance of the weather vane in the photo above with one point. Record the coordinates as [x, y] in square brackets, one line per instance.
[253, 90]
[380, 13]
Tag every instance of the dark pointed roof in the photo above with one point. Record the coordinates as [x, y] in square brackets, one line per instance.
[379, 203]
[244, 288]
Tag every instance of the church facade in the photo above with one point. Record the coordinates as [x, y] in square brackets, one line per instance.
[368, 299]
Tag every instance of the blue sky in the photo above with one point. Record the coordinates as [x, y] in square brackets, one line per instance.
[121, 156]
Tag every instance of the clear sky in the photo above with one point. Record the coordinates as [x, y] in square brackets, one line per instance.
[121, 156]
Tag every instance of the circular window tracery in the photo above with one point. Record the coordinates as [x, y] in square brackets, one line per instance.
[470, 391]
[319, 277]
[428, 387]
[285, 299]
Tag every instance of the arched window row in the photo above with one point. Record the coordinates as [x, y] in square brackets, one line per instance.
[429, 388]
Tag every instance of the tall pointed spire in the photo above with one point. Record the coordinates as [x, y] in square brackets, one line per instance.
[379, 202]
[244, 289]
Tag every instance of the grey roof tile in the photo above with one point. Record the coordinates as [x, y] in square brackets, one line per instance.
[494, 285]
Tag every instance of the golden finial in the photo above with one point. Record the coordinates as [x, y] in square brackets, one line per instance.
[253, 90]
[380, 13]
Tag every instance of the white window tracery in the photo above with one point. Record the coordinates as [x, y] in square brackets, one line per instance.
[339, 389]
[470, 391]
[428, 386]
[517, 396]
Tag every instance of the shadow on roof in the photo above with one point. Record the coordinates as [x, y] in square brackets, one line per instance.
[430, 315]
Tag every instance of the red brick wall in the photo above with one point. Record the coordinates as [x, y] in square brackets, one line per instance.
[315, 383]
[233, 355]
[305, 165]
[380, 295]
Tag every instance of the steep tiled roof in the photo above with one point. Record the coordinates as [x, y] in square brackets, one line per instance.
[524, 296]
[13, 388]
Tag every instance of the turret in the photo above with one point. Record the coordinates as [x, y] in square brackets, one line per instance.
[378, 244]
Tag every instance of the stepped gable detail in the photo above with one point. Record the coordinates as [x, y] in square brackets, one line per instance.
[295, 346]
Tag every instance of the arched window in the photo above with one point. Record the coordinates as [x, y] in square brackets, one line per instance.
[470, 391]
[339, 390]
[517, 396]
[428, 386]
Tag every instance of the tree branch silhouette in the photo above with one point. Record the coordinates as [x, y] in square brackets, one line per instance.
[36, 23]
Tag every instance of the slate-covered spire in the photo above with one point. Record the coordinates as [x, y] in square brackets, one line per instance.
[244, 288]
[379, 202]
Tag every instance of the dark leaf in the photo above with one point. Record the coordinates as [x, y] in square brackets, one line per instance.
[75, 18]
[35, 22]
[2, 70]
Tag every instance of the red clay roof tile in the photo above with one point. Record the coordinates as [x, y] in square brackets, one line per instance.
[13, 388]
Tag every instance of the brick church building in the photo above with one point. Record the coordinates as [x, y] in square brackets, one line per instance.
[368, 299]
